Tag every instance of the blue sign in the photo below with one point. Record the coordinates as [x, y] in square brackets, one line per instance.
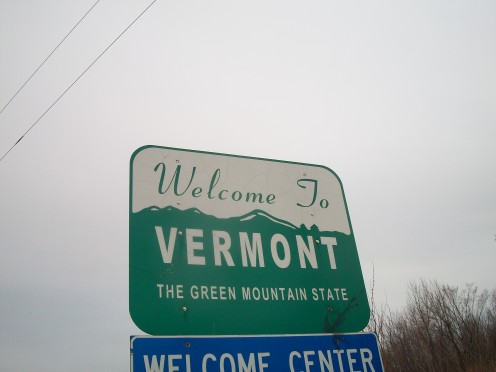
[354, 352]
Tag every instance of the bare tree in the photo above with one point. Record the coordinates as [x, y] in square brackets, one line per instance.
[442, 328]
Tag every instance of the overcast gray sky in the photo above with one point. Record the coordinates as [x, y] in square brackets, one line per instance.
[397, 97]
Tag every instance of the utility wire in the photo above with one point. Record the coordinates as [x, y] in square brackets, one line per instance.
[79, 77]
[46, 59]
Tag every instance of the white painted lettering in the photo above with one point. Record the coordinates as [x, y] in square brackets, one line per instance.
[261, 363]
[351, 361]
[330, 243]
[251, 251]
[222, 244]
[173, 367]
[366, 356]
[340, 358]
[308, 362]
[306, 251]
[222, 362]
[205, 359]
[292, 355]
[246, 367]
[250, 247]
[154, 366]
[274, 242]
[192, 246]
[170, 290]
[325, 361]
[166, 252]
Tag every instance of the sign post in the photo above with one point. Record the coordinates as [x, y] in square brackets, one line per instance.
[231, 245]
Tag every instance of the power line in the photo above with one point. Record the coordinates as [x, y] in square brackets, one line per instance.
[46, 59]
[79, 77]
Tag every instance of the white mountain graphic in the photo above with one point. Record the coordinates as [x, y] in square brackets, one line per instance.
[259, 213]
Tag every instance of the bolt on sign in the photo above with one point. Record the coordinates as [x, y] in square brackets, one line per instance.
[224, 244]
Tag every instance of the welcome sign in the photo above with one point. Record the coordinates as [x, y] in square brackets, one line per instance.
[225, 244]
[352, 352]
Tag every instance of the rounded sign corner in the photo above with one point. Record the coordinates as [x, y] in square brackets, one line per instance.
[135, 320]
[139, 149]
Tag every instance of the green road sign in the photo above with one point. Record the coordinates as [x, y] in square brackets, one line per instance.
[223, 244]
